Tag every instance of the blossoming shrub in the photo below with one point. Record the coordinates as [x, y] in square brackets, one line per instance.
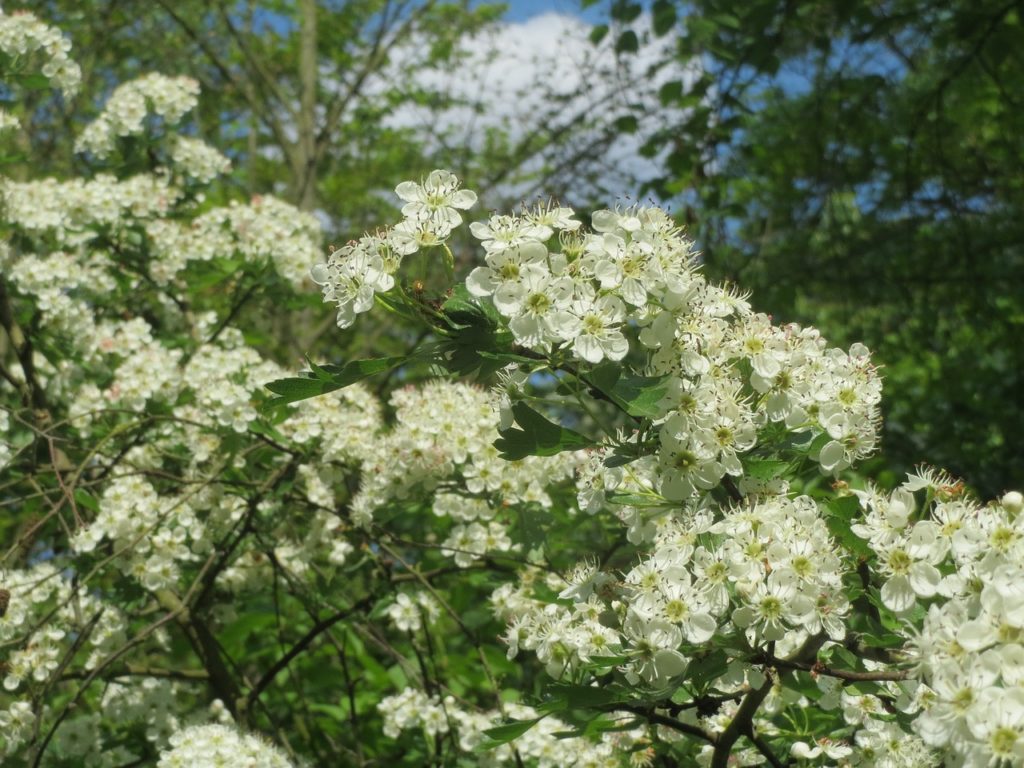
[594, 517]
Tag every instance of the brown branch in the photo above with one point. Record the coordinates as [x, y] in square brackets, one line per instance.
[742, 723]
[765, 749]
[303, 643]
[847, 675]
[55, 676]
[22, 345]
[669, 722]
[138, 670]
[98, 670]
[243, 86]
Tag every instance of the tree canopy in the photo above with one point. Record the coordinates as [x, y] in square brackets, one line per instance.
[859, 165]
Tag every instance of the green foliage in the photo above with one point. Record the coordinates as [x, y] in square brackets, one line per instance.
[327, 378]
[537, 436]
[859, 168]
[639, 396]
[506, 732]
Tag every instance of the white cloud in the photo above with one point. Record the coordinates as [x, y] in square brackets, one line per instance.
[543, 78]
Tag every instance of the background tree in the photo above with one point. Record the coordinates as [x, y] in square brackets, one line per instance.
[328, 105]
[859, 166]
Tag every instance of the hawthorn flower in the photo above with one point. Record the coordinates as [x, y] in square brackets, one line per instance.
[1013, 502]
[711, 575]
[351, 277]
[467, 543]
[956, 691]
[772, 608]
[16, 724]
[504, 268]
[732, 434]
[595, 480]
[590, 639]
[909, 564]
[207, 746]
[835, 750]
[553, 216]
[502, 232]
[854, 436]
[625, 267]
[682, 605]
[997, 722]
[599, 336]
[412, 235]
[407, 613]
[687, 464]
[538, 307]
[437, 200]
[584, 581]
[653, 644]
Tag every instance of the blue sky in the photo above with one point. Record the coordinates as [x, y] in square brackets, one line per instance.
[519, 10]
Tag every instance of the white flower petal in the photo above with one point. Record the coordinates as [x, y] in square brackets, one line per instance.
[924, 578]
[976, 635]
[898, 595]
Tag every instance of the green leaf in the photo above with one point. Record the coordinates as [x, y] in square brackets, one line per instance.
[331, 710]
[639, 396]
[624, 10]
[565, 696]
[619, 459]
[87, 500]
[635, 500]
[34, 82]
[670, 92]
[507, 357]
[726, 20]
[480, 341]
[840, 514]
[463, 309]
[323, 379]
[598, 33]
[705, 670]
[627, 42]
[663, 17]
[538, 436]
[502, 734]
[627, 124]
[263, 428]
[764, 469]
[476, 349]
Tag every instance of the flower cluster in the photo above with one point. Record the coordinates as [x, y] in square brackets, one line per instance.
[444, 433]
[266, 230]
[355, 273]
[168, 502]
[966, 562]
[72, 210]
[148, 700]
[8, 121]
[770, 572]
[211, 746]
[631, 283]
[41, 616]
[408, 613]
[198, 160]
[6, 448]
[544, 746]
[131, 103]
[23, 35]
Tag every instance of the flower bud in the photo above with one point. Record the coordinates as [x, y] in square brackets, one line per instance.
[1013, 502]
